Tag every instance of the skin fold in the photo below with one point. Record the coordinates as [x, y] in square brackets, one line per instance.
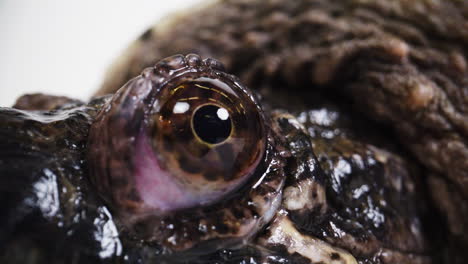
[364, 107]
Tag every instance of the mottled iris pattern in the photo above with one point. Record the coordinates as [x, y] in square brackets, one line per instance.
[343, 139]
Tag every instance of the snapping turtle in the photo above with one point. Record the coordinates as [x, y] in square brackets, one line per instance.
[343, 139]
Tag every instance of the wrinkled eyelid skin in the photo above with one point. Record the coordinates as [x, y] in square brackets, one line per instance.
[114, 141]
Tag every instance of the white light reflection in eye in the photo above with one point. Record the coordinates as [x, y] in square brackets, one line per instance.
[222, 113]
[181, 107]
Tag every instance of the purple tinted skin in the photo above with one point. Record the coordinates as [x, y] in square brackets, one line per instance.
[156, 186]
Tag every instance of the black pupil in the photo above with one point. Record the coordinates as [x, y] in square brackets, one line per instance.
[212, 124]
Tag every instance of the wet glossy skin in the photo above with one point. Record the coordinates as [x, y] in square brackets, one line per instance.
[333, 186]
[319, 193]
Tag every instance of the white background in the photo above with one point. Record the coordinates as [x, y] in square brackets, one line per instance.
[63, 47]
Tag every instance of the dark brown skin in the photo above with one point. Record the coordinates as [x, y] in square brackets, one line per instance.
[365, 104]
[400, 63]
[356, 202]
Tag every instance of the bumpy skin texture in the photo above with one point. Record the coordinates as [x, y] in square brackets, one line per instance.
[400, 63]
[354, 190]
[342, 195]
[51, 213]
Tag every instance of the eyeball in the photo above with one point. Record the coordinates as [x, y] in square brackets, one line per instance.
[181, 135]
[208, 137]
[184, 159]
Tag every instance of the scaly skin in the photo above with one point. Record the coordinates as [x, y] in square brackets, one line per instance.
[400, 63]
[366, 102]
[329, 189]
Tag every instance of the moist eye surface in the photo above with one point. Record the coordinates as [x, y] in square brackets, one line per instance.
[185, 144]
[208, 134]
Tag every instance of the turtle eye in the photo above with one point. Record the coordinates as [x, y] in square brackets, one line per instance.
[207, 135]
[181, 135]
[176, 155]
